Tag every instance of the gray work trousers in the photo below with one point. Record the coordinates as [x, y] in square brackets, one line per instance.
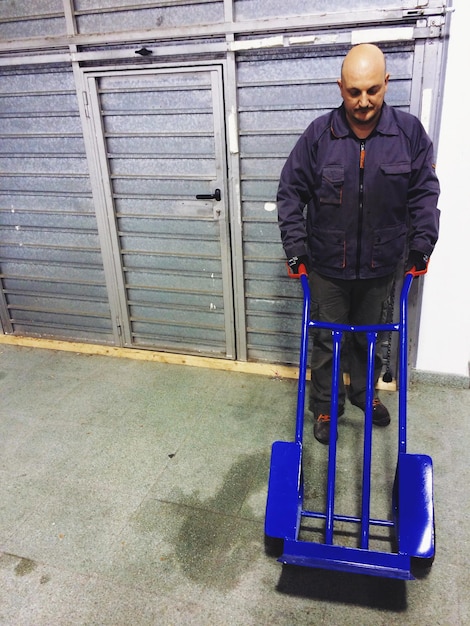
[359, 302]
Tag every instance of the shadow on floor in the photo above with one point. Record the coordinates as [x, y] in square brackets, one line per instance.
[343, 588]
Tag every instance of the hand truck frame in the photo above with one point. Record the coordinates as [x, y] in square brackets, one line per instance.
[412, 493]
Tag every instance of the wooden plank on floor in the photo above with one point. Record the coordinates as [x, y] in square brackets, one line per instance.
[272, 370]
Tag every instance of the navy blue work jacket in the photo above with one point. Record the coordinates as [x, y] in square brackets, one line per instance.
[350, 204]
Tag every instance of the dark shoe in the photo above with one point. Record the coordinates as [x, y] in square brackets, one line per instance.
[380, 414]
[321, 428]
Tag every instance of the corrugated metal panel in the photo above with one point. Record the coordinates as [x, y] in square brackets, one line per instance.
[108, 16]
[161, 149]
[279, 95]
[31, 18]
[254, 9]
[50, 260]
[279, 91]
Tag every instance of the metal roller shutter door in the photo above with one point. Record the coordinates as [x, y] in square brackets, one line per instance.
[50, 258]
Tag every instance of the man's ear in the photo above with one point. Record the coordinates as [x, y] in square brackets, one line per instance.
[387, 76]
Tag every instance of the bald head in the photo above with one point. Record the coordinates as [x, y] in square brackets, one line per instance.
[363, 85]
[361, 59]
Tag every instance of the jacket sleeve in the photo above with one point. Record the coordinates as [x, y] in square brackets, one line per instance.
[293, 194]
[423, 195]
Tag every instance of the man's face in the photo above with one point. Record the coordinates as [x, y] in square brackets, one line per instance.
[363, 95]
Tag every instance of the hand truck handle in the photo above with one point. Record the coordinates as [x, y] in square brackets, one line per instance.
[302, 271]
[414, 272]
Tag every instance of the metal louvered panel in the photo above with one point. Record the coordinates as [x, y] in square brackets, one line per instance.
[31, 18]
[163, 261]
[51, 269]
[279, 95]
[254, 9]
[163, 145]
[98, 16]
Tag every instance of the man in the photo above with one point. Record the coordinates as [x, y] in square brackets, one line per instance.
[359, 185]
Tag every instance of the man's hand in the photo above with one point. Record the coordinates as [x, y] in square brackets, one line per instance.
[416, 260]
[295, 262]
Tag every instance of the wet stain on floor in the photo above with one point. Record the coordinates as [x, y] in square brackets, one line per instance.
[211, 542]
[213, 547]
[25, 567]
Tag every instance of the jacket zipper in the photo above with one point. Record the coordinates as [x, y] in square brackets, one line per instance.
[360, 216]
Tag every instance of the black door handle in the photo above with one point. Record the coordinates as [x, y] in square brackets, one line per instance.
[210, 196]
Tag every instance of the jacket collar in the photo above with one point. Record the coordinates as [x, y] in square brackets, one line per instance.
[386, 125]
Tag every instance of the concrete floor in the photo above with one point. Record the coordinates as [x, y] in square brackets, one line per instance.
[134, 492]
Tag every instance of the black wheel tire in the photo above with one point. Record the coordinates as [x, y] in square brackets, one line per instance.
[273, 546]
[420, 568]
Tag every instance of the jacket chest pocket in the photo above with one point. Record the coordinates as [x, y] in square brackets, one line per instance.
[332, 182]
[394, 184]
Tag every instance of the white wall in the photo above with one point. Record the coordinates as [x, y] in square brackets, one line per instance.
[444, 340]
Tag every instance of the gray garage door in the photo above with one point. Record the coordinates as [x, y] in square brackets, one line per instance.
[103, 153]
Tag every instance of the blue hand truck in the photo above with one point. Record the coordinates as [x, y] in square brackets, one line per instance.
[412, 522]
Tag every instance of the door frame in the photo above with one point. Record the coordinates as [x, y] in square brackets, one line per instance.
[92, 123]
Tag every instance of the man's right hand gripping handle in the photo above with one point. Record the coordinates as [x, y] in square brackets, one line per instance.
[297, 265]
